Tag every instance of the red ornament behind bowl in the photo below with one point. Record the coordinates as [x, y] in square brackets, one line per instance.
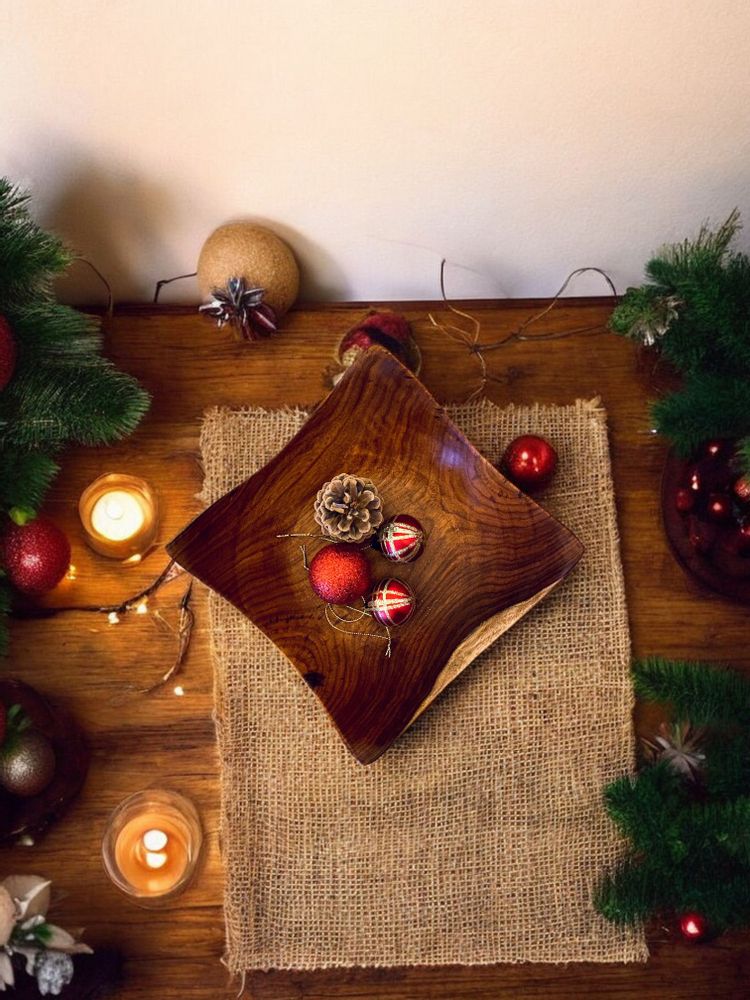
[392, 602]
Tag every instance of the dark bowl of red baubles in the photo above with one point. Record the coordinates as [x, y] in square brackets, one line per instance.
[706, 508]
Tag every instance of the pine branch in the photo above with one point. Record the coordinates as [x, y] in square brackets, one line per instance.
[25, 478]
[29, 257]
[743, 455]
[701, 693]
[708, 406]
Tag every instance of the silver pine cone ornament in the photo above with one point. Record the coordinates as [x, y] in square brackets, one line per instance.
[243, 308]
[348, 508]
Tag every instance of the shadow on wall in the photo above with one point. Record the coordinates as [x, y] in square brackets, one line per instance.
[114, 219]
[118, 221]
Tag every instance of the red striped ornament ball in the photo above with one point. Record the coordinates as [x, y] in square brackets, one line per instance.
[392, 602]
[401, 538]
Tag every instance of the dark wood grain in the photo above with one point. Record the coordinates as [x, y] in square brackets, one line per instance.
[89, 666]
[493, 552]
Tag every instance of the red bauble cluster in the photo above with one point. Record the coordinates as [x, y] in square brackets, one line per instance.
[529, 462]
[35, 555]
[7, 353]
[340, 573]
[715, 502]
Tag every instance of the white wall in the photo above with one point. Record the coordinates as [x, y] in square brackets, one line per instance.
[519, 138]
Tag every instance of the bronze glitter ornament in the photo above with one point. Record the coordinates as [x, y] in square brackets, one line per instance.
[27, 765]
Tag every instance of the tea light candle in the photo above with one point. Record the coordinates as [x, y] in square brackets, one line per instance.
[152, 844]
[119, 515]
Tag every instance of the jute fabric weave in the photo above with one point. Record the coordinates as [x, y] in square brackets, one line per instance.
[479, 837]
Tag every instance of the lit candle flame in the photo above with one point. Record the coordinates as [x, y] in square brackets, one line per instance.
[155, 842]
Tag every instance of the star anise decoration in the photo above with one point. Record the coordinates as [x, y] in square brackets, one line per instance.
[243, 308]
[680, 745]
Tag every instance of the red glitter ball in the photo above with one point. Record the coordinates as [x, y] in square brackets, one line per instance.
[340, 574]
[693, 926]
[401, 538]
[529, 462]
[36, 555]
[683, 500]
[392, 602]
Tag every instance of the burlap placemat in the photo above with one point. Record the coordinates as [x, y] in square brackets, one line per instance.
[479, 836]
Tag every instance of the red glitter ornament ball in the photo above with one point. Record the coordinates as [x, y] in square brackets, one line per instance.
[392, 602]
[719, 507]
[35, 555]
[529, 462]
[7, 353]
[401, 538]
[340, 574]
[693, 926]
[684, 500]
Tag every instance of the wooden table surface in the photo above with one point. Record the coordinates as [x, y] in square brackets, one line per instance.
[95, 668]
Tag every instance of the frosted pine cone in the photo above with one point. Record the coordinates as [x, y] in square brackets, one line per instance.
[348, 508]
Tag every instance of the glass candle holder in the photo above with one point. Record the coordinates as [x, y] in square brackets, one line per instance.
[120, 515]
[151, 845]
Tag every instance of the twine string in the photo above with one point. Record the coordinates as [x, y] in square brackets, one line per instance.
[471, 338]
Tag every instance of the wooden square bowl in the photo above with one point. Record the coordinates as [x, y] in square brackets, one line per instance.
[490, 553]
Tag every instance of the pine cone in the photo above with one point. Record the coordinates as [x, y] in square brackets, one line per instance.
[349, 508]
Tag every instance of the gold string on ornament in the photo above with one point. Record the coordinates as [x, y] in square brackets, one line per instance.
[330, 609]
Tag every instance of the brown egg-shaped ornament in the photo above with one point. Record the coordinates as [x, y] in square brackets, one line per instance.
[28, 765]
[242, 250]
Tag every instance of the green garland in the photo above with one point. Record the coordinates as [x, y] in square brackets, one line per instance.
[62, 390]
[687, 812]
[695, 309]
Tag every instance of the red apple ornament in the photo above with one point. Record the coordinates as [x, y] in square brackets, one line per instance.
[401, 538]
[529, 462]
[340, 574]
[35, 555]
[392, 602]
[7, 353]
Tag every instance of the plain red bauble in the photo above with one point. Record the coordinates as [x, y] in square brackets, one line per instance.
[719, 507]
[7, 353]
[392, 602]
[340, 574]
[693, 926]
[387, 329]
[35, 556]
[530, 462]
[684, 500]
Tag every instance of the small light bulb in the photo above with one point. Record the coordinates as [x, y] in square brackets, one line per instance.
[142, 608]
[72, 572]
[113, 618]
[155, 840]
[133, 559]
[179, 690]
